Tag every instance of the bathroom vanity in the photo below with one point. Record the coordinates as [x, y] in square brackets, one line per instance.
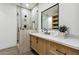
[45, 44]
[51, 44]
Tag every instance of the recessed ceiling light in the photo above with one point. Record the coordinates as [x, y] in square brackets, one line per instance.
[27, 5]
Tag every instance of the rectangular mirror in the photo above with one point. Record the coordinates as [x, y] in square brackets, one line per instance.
[50, 18]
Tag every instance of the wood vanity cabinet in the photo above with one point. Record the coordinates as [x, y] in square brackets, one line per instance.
[46, 47]
[41, 46]
[33, 43]
[38, 44]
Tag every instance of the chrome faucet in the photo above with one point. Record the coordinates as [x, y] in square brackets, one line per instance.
[46, 31]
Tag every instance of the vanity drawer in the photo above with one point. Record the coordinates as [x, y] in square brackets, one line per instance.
[53, 45]
[62, 49]
[54, 49]
[67, 50]
[70, 51]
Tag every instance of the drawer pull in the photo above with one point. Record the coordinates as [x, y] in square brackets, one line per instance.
[60, 52]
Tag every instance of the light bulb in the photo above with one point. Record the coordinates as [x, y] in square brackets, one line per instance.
[27, 5]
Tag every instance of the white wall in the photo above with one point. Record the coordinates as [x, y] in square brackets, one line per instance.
[69, 16]
[42, 7]
[8, 26]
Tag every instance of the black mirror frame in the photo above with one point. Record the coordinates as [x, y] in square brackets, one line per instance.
[46, 10]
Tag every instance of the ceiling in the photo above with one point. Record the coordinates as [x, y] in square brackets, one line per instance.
[30, 5]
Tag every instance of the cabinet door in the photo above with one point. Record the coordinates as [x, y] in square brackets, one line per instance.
[33, 42]
[41, 46]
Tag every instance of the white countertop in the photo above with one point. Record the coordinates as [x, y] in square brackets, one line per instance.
[69, 41]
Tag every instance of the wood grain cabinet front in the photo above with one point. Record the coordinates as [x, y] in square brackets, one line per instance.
[38, 44]
[70, 51]
[46, 47]
[33, 43]
[54, 49]
[41, 47]
[59, 49]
